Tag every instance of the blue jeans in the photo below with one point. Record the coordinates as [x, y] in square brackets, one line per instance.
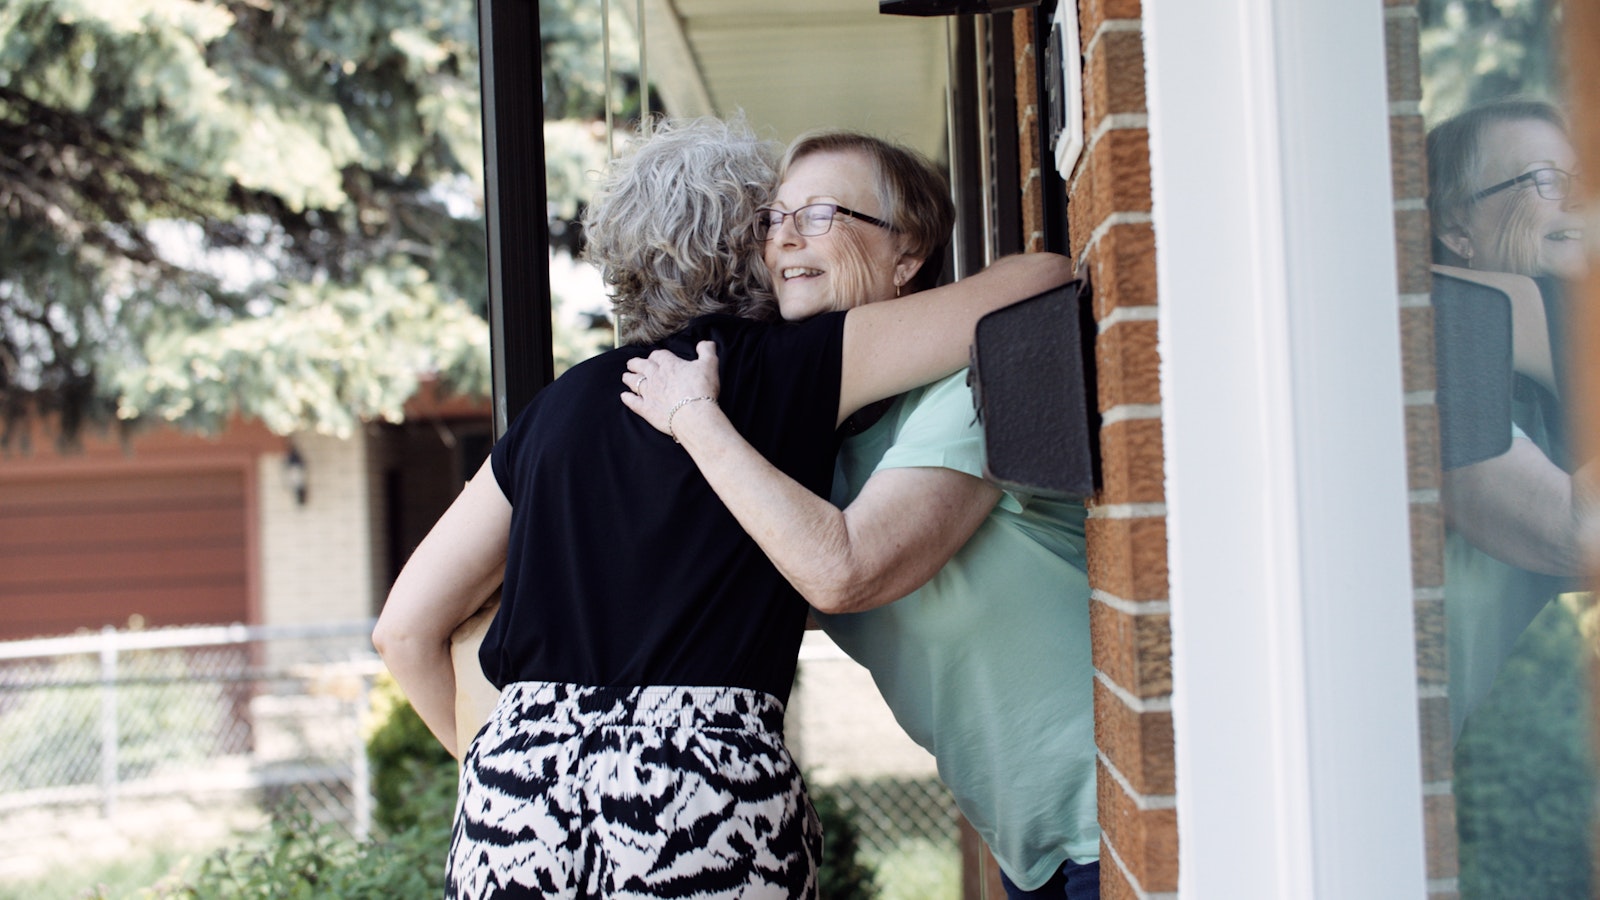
[1074, 881]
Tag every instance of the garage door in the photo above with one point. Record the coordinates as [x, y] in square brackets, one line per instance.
[88, 551]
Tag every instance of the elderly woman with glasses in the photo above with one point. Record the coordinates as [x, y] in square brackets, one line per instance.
[1503, 209]
[985, 661]
[644, 646]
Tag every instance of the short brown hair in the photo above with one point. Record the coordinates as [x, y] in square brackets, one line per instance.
[913, 192]
[1453, 159]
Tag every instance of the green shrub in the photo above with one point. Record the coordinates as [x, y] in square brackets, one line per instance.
[1524, 771]
[301, 860]
[413, 777]
[843, 875]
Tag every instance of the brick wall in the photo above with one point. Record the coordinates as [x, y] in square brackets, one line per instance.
[1410, 186]
[1111, 236]
[316, 559]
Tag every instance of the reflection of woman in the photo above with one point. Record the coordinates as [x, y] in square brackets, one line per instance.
[1500, 191]
[986, 664]
[643, 643]
[1501, 199]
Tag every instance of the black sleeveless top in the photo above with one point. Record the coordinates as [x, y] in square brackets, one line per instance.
[624, 568]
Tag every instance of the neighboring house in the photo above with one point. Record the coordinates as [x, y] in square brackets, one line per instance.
[170, 528]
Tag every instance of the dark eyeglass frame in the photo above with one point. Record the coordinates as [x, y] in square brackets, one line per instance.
[1560, 185]
[765, 227]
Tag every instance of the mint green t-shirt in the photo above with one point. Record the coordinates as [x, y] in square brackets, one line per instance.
[1488, 603]
[987, 665]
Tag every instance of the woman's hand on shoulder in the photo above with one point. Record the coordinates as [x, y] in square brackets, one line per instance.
[660, 384]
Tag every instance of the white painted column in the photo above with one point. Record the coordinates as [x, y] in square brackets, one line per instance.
[1294, 697]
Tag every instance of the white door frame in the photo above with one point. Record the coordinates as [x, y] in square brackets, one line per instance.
[1295, 703]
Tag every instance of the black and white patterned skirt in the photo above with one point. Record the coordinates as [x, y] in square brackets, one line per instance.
[577, 791]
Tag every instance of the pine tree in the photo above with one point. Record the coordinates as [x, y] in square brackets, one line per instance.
[269, 208]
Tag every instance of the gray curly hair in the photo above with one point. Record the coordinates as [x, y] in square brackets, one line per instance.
[670, 227]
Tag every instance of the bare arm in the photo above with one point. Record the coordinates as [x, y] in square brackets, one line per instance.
[452, 572]
[902, 528]
[894, 345]
[1520, 508]
[906, 524]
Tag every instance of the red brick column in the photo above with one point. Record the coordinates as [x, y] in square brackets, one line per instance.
[1412, 230]
[1111, 235]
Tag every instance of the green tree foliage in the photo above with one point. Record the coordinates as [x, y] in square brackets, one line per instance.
[1525, 770]
[572, 35]
[1478, 50]
[273, 209]
[180, 166]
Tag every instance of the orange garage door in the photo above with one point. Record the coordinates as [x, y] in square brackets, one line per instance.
[88, 551]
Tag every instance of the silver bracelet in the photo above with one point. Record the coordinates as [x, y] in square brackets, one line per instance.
[680, 405]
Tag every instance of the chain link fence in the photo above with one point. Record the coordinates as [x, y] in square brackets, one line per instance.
[889, 812]
[272, 718]
[97, 721]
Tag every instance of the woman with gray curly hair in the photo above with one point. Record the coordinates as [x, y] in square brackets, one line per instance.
[644, 645]
[665, 228]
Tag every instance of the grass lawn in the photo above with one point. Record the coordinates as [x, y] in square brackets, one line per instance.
[917, 869]
[119, 879]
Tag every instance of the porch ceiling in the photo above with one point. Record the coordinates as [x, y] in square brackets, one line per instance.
[796, 66]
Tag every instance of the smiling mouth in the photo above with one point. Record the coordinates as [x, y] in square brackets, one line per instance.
[799, 272]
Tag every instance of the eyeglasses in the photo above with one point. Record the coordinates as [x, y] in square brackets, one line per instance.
[1552, 184]
[811, 220]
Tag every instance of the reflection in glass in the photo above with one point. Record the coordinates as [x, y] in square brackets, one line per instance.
[1508, 239]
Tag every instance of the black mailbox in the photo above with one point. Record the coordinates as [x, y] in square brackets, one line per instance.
[949, 7]
[1031, 386]
[1472, 357]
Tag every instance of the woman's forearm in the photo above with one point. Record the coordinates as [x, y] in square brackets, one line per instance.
[423, 670]
[1520, 508]
[904, 526]
[447, 579]
[774, 509]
